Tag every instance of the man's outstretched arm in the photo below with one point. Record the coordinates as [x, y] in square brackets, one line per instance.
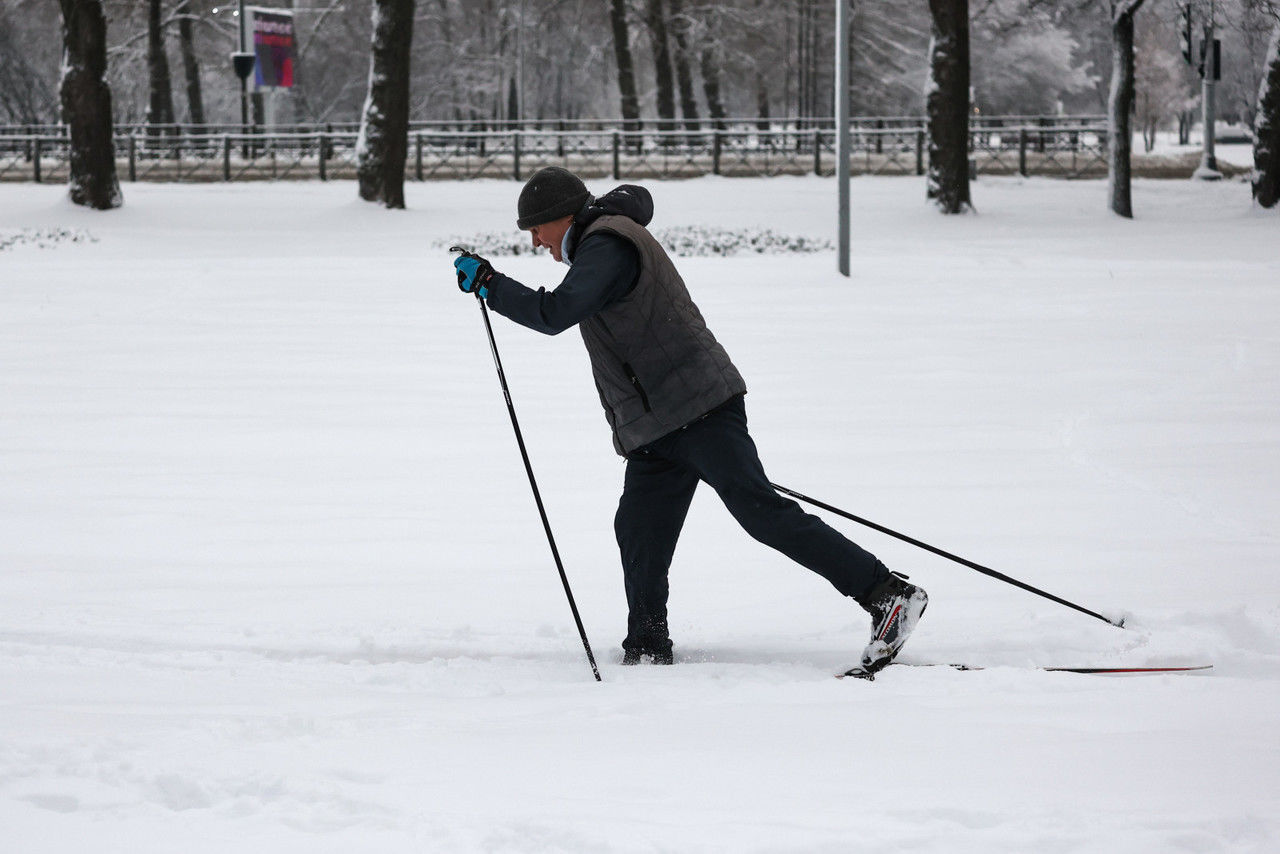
[605, 268]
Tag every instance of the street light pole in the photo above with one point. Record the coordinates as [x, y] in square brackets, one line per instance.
[244, 78]
[242, 62]
[1208, 169]
[842, 131]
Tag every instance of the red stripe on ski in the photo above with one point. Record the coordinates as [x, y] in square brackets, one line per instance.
[1181, 668]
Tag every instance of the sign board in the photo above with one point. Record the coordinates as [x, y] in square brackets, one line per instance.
[271, 33]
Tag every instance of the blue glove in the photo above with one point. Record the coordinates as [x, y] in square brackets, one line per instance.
[474, 274]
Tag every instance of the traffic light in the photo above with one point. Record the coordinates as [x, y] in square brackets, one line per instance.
[1212, 56]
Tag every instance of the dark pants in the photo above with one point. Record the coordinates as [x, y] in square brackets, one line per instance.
[660, 481]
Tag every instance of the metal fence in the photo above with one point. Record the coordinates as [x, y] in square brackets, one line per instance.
[738, 125]
[1059, 150]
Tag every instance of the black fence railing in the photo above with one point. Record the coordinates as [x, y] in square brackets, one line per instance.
[738, 125]
[1059, 150]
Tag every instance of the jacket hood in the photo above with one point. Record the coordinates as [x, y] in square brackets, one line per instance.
[629, 200]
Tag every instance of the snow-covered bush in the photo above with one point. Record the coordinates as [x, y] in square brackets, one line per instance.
[43, 238]
[687, 241]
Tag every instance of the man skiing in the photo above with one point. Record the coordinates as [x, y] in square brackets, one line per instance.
[674, 402]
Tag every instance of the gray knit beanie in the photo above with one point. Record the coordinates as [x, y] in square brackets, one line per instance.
[549, 194]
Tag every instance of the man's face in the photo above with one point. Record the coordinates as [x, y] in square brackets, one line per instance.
[551, 235]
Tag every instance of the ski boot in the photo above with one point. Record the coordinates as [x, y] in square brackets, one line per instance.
[896, 607]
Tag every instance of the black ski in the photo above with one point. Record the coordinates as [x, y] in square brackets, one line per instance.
[861, 673]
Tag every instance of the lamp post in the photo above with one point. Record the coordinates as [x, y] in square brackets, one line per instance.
[242, 62]
[842, 132]
[1211, 57]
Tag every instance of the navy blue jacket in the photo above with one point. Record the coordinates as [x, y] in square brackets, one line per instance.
[605, 267]
[655, 364]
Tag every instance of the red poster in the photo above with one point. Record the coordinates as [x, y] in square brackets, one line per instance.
[273, 48]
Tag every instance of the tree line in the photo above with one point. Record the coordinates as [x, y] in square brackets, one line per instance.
[682, 60]
[662, 64]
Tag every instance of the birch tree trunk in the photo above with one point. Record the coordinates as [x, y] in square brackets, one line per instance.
[1120, 107]
[1266, 137]
[947, 106]
[383, 144]
[86, 105]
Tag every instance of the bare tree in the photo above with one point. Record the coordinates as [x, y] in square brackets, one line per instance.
[160, 110]
[890, 42]
[806, 59]
[86, 105]
[1024, 59]
[331, 40]
[593, 59]
[626, 69]
[656, 18]
[383, 144]
[1161, 92]
[1266, 137]
[1120, 106]
[947, 106]
[680, 27]
[190, 63]
[28, 63]
[709, 67]
[762, 103]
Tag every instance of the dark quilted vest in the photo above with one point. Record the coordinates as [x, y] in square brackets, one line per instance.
[656, 365]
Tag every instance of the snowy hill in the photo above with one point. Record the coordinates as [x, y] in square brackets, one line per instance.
[271, 578]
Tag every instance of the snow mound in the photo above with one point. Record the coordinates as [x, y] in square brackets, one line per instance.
[685, 241]
[249, 601]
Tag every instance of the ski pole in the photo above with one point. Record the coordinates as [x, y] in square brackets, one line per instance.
[948, 555]
[537, 496]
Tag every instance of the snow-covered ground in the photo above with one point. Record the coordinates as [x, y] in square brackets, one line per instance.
[1232, 151]
[272, 580]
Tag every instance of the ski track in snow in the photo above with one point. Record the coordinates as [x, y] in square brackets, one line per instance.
[271, 578]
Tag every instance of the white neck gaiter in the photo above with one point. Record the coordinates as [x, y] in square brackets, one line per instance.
[564, 246]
